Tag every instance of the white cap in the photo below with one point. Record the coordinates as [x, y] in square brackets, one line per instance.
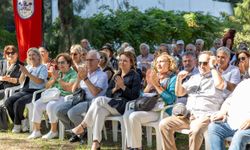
[180, 42]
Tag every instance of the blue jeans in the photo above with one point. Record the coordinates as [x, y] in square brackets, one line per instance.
[217, 132]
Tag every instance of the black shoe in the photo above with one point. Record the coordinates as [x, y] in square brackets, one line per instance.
[83, 138]
[74, 138]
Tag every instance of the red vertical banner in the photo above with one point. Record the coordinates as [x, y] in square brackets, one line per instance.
[28, 22]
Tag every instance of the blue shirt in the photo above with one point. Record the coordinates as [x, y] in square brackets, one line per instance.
[41, 72]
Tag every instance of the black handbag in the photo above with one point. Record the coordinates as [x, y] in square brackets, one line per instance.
[145, 103]
[4, 120]
[78, 96]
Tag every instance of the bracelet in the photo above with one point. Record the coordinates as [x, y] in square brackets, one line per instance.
[85, 79]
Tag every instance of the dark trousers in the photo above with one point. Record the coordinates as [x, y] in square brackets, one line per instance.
[16, 105]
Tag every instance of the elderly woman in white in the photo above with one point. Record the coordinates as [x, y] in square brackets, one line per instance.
[63, 81]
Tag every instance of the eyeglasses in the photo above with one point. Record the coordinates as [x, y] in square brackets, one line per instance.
[205, 63]
[161, 61]
[12, 53]
[61, 62]
[73, 54]
[242, 58]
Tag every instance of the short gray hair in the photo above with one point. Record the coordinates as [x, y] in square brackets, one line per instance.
[144, 45]
[199, 40]
[96, 53]
[35, 50]
[225, 50]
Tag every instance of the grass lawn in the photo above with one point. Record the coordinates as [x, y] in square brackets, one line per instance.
[11, 141]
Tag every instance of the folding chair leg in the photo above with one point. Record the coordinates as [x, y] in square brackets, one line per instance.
[158, 139]
[149, 136]
[61, 130]
[115, 130]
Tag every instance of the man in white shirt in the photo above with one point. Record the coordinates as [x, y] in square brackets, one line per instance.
[233, 120]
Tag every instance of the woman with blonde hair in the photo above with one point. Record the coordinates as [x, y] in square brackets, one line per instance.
[162, 80]
[33, 77]
[78, 55]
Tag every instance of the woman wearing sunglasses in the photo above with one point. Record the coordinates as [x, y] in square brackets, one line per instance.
[9, 69]
[243, 63]
[78, 55]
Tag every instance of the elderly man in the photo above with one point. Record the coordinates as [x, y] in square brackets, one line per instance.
[233, 120]
[94, 82]
[180, 46]
[85, 44]
[216, 44]
[228, 75]
[189, 64]
[144, 60]
[204, 98]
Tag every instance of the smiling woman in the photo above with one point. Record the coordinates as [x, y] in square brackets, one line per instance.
[9, 69]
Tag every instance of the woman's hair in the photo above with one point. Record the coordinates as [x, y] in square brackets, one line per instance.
[229, 35]
[66, 56]
[9, 47]
[131, 57]
[170, 59]
[240, 52]
[35, 50]
[78, 48]
[224, 50]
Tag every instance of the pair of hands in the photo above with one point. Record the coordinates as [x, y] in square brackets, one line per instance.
[5, 78]
[222, 117]
[119, 83]
[242, 67]
[152, 78]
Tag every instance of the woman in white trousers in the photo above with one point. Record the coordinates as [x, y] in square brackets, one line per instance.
[62, 80]
[163, 82]
[123, 87]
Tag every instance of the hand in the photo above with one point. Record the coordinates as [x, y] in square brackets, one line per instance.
[82, 72]
[182, 75]
[6, 78]
[245, 125]
[220, 116]
[154, 79]
[212, 61]
[55, 74]
[242, 67]
[23, 70]
[119, 82]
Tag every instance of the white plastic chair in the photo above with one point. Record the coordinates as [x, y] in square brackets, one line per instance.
[155, 125]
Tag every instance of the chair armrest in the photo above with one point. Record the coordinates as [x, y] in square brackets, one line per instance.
[68, 98]
[12, 90]
[128, 105]
[35, 94]
[164, 109]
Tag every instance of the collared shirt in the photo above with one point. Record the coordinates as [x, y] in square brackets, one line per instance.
[203, 98]
[99, 79]
[41, 72]
[232, 75]
[238, 111]
[69, 77]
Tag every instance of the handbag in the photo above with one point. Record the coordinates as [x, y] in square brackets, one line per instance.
[50, 94]
[4, 120]
[145, 103]
[78, 96]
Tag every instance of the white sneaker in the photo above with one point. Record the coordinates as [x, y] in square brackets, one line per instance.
[50, 135]
[16, 129]
[35, 134]
[24, 125]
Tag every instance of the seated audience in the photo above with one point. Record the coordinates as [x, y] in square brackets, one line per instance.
[105, 65]
[62, 79]
[229, 75]
[163, 82]
[94, 82]
[233, 120]
[189, 62]
[145, 59]
[243, 58]
[204, 98]
[108, 49]
[77, 54]
[9, 69]
[33, 77]
[124, 87]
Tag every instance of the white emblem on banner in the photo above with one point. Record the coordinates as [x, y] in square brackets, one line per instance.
[25, 8]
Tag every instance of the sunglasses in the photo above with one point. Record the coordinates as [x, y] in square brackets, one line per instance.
[242, 58]
[203, 63]
[73, 54]
[12, 53]
[61, 62]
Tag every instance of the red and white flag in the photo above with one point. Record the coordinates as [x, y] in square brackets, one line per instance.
[28, 22]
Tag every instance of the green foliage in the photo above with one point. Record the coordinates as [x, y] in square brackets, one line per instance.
[7, 38]
[154, 26]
